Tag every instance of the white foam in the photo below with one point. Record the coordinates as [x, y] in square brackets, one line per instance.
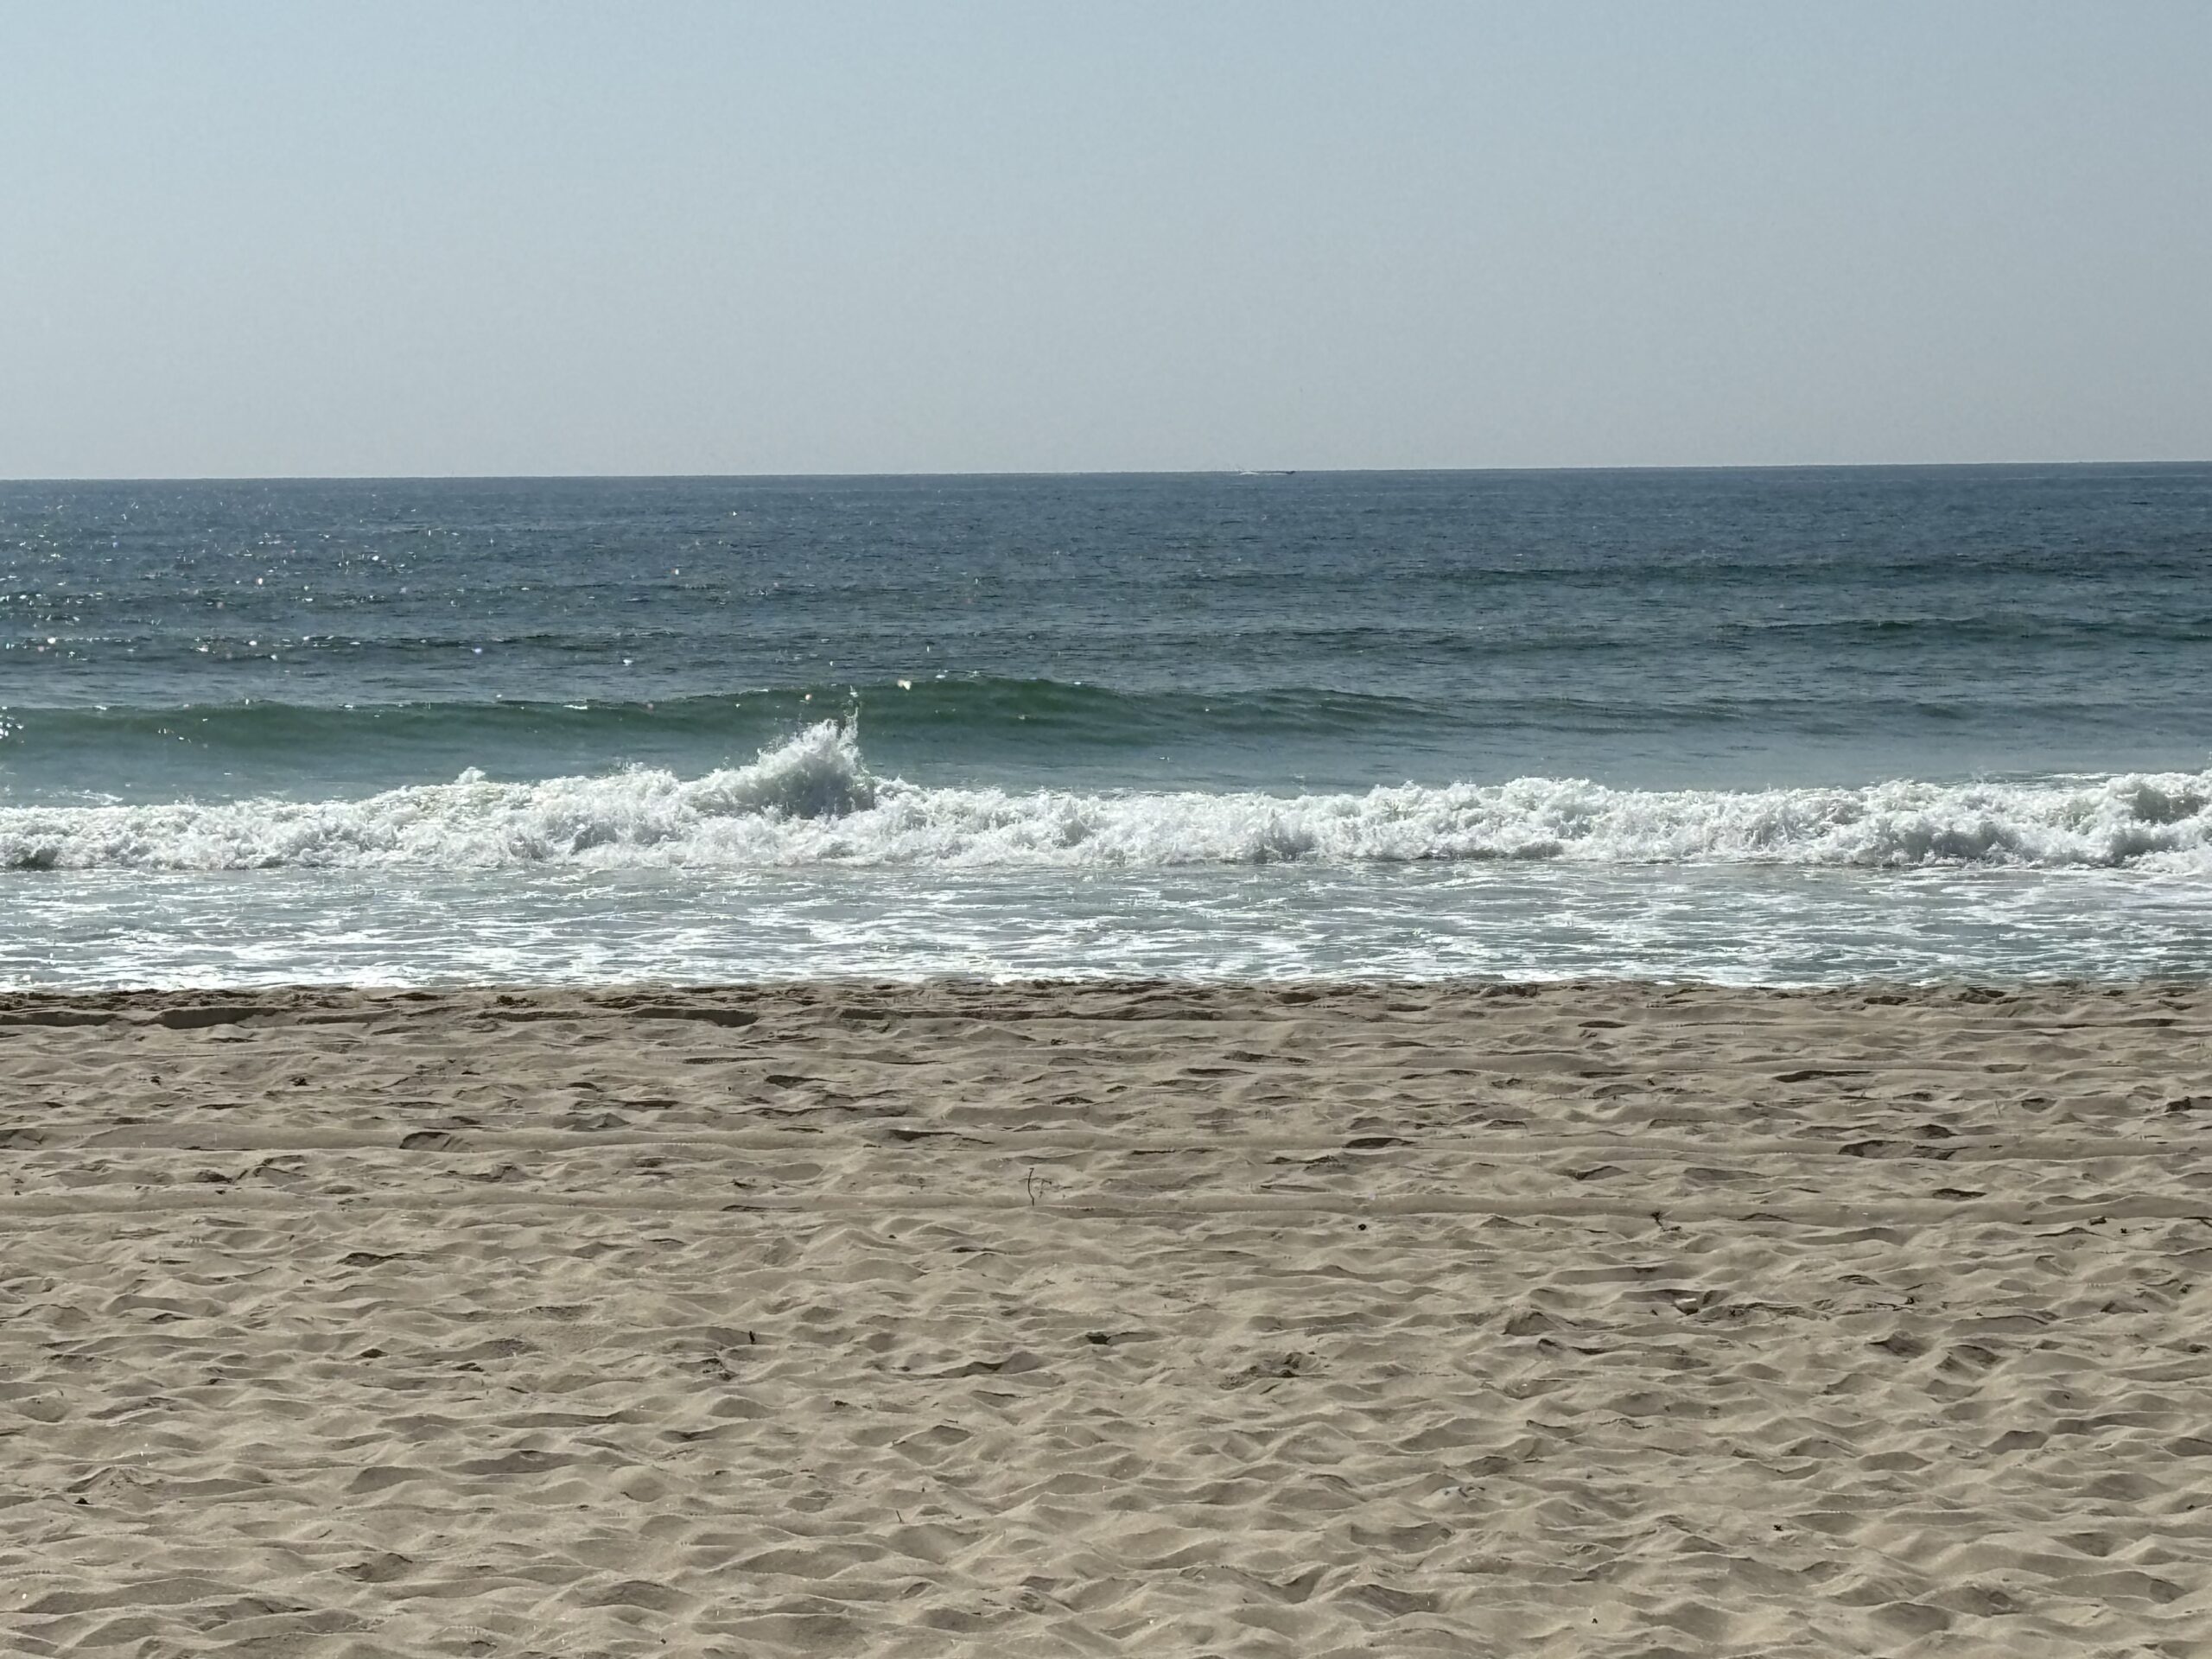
[812, 801]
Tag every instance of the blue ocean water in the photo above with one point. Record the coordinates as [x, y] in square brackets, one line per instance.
[1780, 726]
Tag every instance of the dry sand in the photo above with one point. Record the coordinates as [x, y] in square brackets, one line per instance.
[1119, 1319]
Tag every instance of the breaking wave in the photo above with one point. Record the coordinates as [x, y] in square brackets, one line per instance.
[812, 801]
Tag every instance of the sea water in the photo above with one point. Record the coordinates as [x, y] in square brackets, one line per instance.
[1773, 726]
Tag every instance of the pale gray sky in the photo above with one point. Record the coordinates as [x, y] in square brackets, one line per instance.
[473, 237]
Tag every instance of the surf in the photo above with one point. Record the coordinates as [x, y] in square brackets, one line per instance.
[812, 801]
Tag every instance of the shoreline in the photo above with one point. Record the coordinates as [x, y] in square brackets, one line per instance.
[617, 994]
[1564, 1317]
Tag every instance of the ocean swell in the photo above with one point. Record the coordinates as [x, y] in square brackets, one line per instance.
[812, 801]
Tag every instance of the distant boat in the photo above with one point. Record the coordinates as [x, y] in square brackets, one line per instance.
[1267, 471]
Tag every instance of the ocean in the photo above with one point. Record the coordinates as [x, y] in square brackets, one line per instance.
[1780, 727]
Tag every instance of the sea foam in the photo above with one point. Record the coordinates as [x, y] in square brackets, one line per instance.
[812, 801]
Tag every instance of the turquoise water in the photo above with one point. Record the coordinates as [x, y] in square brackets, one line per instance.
[1770, 726]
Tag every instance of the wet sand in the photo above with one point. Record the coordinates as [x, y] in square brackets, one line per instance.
[1107, 1319]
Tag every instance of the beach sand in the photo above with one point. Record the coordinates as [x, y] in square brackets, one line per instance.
[1107, 1319]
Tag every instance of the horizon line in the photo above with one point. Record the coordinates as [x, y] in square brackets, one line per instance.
[1085, 472]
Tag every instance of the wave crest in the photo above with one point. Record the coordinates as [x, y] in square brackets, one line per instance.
[813, 802]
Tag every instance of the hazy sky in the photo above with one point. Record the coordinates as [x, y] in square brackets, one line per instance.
[471, 237]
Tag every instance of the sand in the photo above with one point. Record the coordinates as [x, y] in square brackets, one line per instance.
[1118, 1319]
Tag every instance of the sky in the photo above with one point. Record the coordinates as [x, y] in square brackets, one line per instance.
[309, 237]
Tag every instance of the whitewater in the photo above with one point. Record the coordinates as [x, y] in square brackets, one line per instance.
[813, 802]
